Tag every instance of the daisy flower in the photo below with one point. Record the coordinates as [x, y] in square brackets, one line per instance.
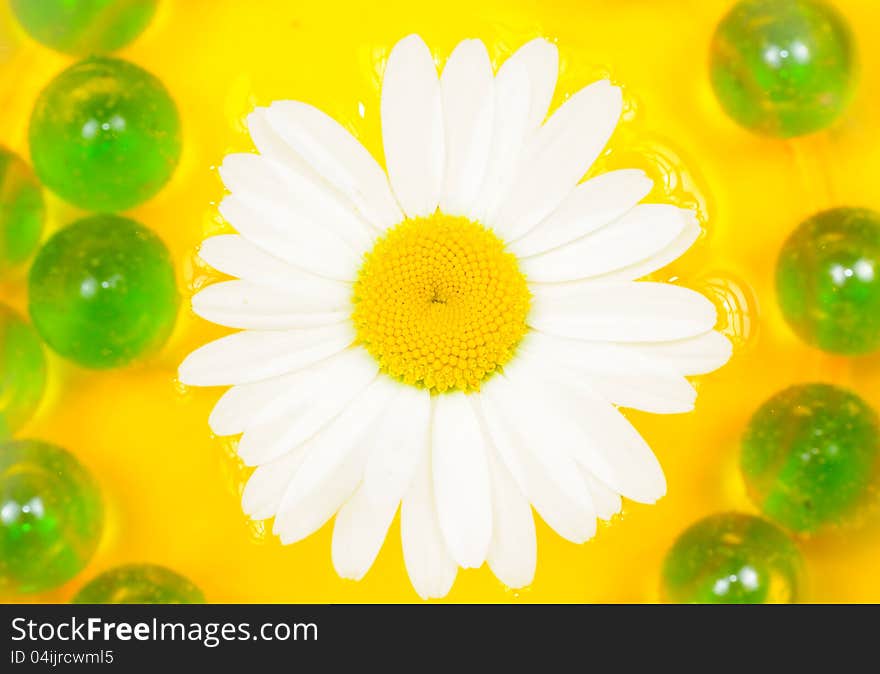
[453, 337]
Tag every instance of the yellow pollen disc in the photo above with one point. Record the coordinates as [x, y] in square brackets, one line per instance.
[440, 304]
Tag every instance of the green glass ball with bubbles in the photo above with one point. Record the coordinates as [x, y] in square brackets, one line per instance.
[22, 371]
[732, 558]
[102, 292]
[139, 584]
[21, 211]
[810, 457]
[84, 26]
[828, 281]
[105, 135]
[51, 516]
[783, 68]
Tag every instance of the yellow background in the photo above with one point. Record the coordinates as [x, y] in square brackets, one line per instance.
[171, 489]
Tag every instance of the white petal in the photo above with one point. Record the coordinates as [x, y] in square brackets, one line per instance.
[241, 304]
[467, 87]
[412, 126]
[625, 312]
[251, 356]
[636, 236]
[313, 249]
[398, 449]
[591, 205]
[622, 376]
[637, 472]
[607, 502]
[267, 484]
[510, 129]
[513, 553]
[695, 355]
[338, 157]
[531, 439]
[671, 252]
[295, 197]
[333, 466]
[430, 567]
[461, 480]
[558, 157]
[540, 59]
[337, 378]
[359, 530]
[315, 397]
[301, 518]
[592, 431]
[398, 442]
[234, 255]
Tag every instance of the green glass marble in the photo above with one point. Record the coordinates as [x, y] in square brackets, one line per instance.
[731, 558]
[84, 26]
[810, 457]
[50, 516]
[105, 135]
[783, 67]
[828, 281]
[139, 584]
[102, 291]
[22, 371]
[21, 211]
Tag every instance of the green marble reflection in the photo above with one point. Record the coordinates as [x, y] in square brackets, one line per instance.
[783, 67]
[828, 280]
[50, 516]
[810, 457]
[103, 292]
[732, 558]
[21, 211]
[22, 371]
[139, 584]
[105, 135]
[84, 26]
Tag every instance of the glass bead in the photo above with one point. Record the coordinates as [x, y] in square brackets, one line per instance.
[50, 516]
[84, 26]
[102, 291]
[828, 281]
[732, 558]
[139, 584]
[21, 211]
[810, 457]
[783, 67]
[105, 135]
[22, 371]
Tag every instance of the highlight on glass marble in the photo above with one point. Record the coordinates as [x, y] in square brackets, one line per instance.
[733, 558]
[83, 27]
[51, 516]
[783, 67]
[102, 292]
[139, 584]
[22, 371]
[105, 135]
[22, 211]
[828, 280]
[457, 294]
[811, 458]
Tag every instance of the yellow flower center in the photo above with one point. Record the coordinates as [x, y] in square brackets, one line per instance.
[440, 304]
